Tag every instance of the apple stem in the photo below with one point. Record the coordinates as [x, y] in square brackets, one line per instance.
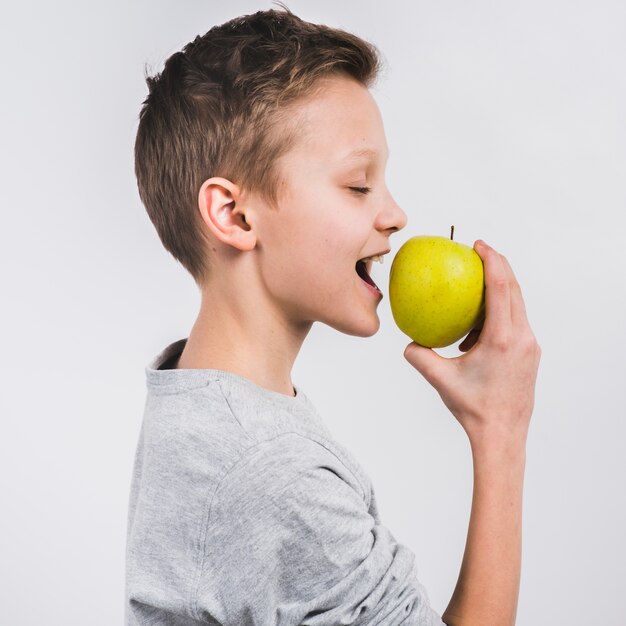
[452, 233]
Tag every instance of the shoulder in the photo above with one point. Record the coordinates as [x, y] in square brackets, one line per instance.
[272, 466]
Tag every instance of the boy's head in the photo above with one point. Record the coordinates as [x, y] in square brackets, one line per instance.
[242, 147]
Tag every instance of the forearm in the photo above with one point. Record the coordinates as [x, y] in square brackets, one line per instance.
[487, 589]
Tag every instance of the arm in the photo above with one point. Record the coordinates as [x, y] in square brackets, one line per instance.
[488, 585]
[490, 390]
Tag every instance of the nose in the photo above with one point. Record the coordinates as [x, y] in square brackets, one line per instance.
[393, 217]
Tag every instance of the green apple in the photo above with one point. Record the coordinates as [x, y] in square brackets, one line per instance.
[436, 290]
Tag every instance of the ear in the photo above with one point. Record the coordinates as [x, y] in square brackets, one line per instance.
[221, 207]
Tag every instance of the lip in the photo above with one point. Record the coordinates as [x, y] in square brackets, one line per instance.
[375, 292]
[369, 264]
[382, 252]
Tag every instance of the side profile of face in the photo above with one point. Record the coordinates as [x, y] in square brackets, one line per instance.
[335, 209]
[297, 261]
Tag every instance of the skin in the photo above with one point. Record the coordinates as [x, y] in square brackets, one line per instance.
[490, 389]
[277, 271]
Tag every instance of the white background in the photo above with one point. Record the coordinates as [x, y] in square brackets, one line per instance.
[504, 119]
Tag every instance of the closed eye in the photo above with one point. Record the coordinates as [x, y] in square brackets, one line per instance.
[361, 189]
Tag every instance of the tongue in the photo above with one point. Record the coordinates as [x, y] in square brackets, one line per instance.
[362, 272]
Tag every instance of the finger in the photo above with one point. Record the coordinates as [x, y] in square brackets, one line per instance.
[518, 308]
[497, 293]
[432, 366]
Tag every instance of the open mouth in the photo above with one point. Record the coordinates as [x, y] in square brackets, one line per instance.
[361, 270]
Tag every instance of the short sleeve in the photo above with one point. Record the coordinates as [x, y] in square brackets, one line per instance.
[290, 541]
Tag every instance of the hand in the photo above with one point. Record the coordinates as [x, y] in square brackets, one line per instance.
[490, 388]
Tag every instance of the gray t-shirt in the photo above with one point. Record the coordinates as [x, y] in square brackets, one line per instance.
[244, 510]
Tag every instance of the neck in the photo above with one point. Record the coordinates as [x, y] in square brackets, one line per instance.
[255, 341]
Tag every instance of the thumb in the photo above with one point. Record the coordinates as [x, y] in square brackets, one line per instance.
[426, 361]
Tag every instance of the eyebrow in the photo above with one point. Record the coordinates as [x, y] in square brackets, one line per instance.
[362, 152]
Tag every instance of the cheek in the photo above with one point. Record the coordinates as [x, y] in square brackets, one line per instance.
[313, 275]
[311, 245]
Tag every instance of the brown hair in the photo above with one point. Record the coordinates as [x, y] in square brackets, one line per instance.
[219, 108]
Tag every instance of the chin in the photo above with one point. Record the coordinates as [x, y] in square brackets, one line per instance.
[365, 327]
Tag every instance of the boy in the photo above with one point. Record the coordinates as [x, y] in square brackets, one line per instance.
[260, 159]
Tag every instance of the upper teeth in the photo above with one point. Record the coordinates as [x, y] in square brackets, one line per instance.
[378, 258]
